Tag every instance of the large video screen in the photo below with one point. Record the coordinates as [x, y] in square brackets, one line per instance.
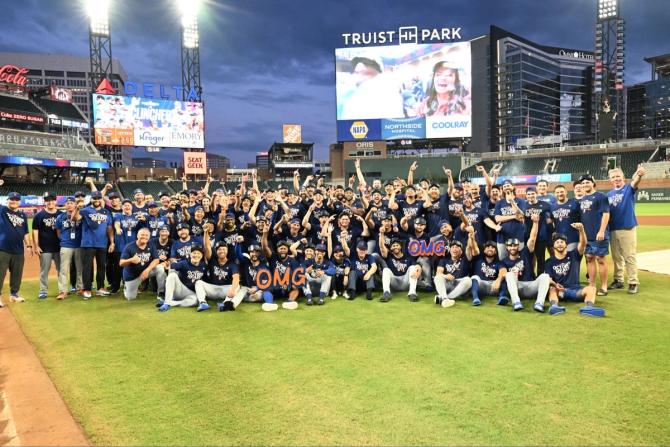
[404, 92]
[135, 121]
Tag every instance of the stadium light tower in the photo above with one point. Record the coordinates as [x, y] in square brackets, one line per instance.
[190, 47]
[99, 39]
[609, 60]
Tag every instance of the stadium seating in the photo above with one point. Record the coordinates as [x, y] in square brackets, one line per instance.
[37, 189]
[148, 187]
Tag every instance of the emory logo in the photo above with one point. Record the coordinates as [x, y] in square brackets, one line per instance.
[358, 130]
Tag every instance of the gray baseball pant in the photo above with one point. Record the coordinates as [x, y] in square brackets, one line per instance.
[46, 259]
[130, 287]
[452, 289]
[536, 289]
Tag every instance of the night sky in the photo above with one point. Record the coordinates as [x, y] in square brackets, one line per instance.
[268, 62]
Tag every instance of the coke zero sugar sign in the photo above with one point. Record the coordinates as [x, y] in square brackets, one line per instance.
[12, 74]
[195, 163]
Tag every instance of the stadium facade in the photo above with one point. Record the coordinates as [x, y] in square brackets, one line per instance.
[648, 103]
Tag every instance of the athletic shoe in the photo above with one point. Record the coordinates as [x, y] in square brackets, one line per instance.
[221, 307]
[229, 305]
[413, 298]
[632, 288]
[502, 301]
[74, 290]
[591, 311]
[386, 297]
[164, 308]
[85, 294]
[555, 309]
[428, 289]
[160, 302]
[269, 307]
[103, 292]
[42, 296]
[289, 305]
[203, 306]
[333, 296]
[346, 295]
[61, 296]
[447, 302]
[476, 302]
[538, 307]
[309, 301]
[601, 292]
[616, 285]
[518, 306]
[437, 299]
[16, 299]
[368, 294]
[319, 302]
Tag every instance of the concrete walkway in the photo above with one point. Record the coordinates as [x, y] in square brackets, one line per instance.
[654, 261]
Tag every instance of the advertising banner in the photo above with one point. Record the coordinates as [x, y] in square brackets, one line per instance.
[426, 81]
[528, 179]
[134, 121]
[653, 195]
[537, 141]
[62, 94]
[22, 116]
[403, 128]
[13, 160]
[195, 163]
[357, 130]
[292, 133]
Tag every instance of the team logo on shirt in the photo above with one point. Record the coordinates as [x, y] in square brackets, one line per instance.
[452, 267]
[507, 211]
[362, 266]
[561, 213]
[50, 222]
[98, 217]
[194, 275]
[399, 265]
[16, 220]
[220, 273]
[561, 269]
[615, 200]
[230, 239]
[144, 257]
[519, 266]
[586, 204]
[184, 251]
[488, 271]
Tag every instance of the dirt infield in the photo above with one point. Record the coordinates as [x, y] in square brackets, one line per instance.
[653, 220]
[32, 411]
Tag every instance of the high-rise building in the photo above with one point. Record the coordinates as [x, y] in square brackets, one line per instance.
[215, 161]
[648, 103]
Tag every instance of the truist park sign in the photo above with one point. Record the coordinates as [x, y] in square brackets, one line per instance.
[403, 35]
[11, 74]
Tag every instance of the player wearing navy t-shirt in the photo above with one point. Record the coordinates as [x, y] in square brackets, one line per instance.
[13, 237]
[487, 273]
[46, 241]
[563, 268]
[318, 275]
[96, 236]
[623, 228]
[452, 278]
[250, 265]
[140, 262]
[68, 227]
[402, 271]
[520, 278]
[361, 275]
[283, 268]
[564, 212]
[535, 206]
[509, 214]
[222, 281]
[180, 282]
[181, 248]
[595, 209]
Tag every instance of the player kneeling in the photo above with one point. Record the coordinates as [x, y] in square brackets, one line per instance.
[318, 274]
[402, 272]
[140, 261]
[563, 268]
[221, 282]
[180, 282]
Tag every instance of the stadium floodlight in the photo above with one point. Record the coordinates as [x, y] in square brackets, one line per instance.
[189, 21]
[98, 12]
[607, 9]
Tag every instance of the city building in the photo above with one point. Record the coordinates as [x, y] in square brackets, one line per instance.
[285, 158]
[217, 161]
[648, 103]
[148, 162]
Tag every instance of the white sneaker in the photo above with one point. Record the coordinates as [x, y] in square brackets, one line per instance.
[448, 302]
[103, 292]
[346, 294]
[16, 299]
[334, 295]
[86, 294]
[289, 305]
[269, 307]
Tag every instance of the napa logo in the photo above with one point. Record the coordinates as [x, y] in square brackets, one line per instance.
[358, 130]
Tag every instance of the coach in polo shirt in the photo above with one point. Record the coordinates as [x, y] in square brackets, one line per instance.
[96, 232]
[13, 237]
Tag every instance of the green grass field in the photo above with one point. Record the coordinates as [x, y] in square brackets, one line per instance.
[652, 209]
[362, 372]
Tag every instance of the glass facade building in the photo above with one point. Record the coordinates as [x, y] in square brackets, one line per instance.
[648, 103]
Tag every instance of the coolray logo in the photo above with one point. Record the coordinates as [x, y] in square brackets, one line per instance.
[404, 35]
[358, 129]
[449, 124]
[153, 140]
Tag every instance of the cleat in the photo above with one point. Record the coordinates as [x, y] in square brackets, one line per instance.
[333, 296]
[160, 302]
[269, 307]
[437, 299]
[517, 306]
[103, 292]
[386, 297]
[319, 302]
[229, 305]
[164, 308]
[42, 296]
[368, 294]
[601, 292]
[61, 296]
[413, 298]
[202, 307]
[16, 299]
[346, 295]
[538, 307]
[502, 301]
[447, 302]
[555, 309]
[289, 305]
[85, 294]
[476, 302]
[74, 290]
[632, 289]
[220, 307]
[616, 285]
[591, 311]
[309, 301]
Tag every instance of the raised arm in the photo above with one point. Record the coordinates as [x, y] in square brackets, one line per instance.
[533, 232]
[296, 181]
[359, 173]
[410, 174]
[581, 246]
[450, 180]
[637, 177]
[382, 245]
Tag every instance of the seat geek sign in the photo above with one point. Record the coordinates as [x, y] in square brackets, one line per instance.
[195, 163]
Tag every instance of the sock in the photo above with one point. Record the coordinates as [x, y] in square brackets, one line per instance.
[322, 294]
[588, 303]
[308, 296]
[474, 289]
[553, 302]
[267, 297]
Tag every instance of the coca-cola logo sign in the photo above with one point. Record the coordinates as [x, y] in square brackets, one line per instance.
[12, 74]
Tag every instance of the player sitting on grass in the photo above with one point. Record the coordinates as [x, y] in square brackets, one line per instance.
[402, 272]
[563, 268]
[363, 268]
[139, 261]
[489, 273]
[180, 282]
[222, 280]
[452, 278]
[318, 274]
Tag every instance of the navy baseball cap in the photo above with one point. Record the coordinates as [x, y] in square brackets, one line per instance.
[79, 194]
[163, 193]
[152, 205]
[283, 243]
[254, 248]
[294, 221]
[586, 177]
[376, 191]
[419, 220]
[458, 186]
[113, 195]
[491, 244]
[230, 216]
[138, 191]
[182, 226]
[456, 242]
[197, 248]
[512, 241]
[219, 245]
[362, 245]
[96, 195]
[69, 199]
[164, 228]
[49, 195]
[338, 249]
[444, 222]
[531, 189]
[127, 201]
[14, 196]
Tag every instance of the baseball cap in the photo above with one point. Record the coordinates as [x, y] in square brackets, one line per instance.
[49, 195]
[362, 245]
[230, 216]
[321, 247]
[491, 244]
[182, 226]
[138, 191]
[254, 248]
[14, 196]
[456, 242]
[219, 245]
[458, 186]
[396, 240]
[444, 222]
[163, 193]
[197, 248]
[419, 220]
[152, 205]
[69, 199]
[376, 191]
[294, 221]
[164, 228]
[79, 194]
[434, 185]
[96, 195]
[284, 243]
[507, 182]
[512, 241]
[127, 201]
[531, 189]
[338, 249]
[586, 177]
[113, 195]
[208, 220]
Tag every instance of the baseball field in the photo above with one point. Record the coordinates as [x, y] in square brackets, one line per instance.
[361, 372]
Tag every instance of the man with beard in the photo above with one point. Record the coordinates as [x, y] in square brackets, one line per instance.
[564, 212]
[114, 205]
[342, 266]
[282, 267]
[363, 268]
[402, 272]
[96, 233]
[488, 273]
[13, 237]
[509, 214]
[563, 268]
[318, 276]
[222, 280]
[180, 282]
[250, 265]
[68, 227]
[154, 221]
[181, 248]
[542, 209]
[45, 240]
[452, 278]
[163, 247]
[520, 278]
[140, 262]
[139, 204]
[595, 209]
[416, 231]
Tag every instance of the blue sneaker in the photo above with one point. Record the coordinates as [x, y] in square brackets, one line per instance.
[555, 309]
[203, 306]
[476, 302]
[518, 306]
[538, 307]
[42, 296]
[164, 308]
[503, 300]
[73, 290]
[160, 302]
[591, 311]
[221, 307]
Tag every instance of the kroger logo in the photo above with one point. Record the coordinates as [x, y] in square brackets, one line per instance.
[148, 137]
[358, 129]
